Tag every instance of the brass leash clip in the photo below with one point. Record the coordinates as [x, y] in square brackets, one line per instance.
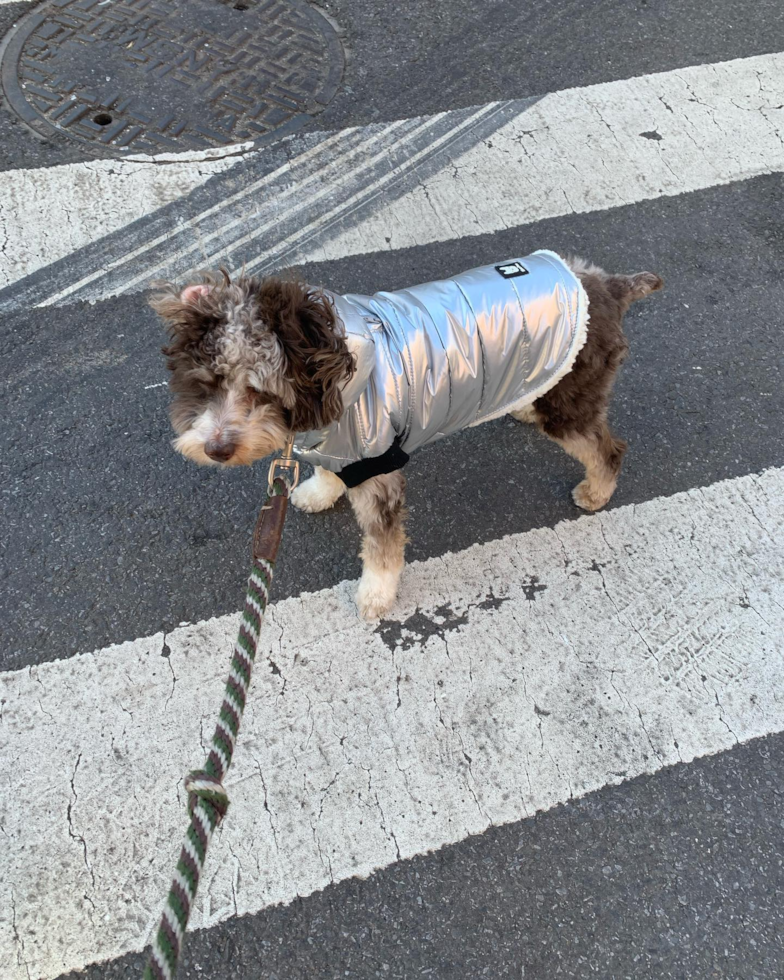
[284, 462]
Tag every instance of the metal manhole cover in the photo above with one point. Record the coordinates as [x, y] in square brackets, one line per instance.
[151, 76]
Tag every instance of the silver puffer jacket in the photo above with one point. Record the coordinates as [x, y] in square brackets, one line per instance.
[438, 357]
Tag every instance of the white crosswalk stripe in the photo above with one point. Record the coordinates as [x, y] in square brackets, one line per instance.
[90, 200]
[583, 149]
[519, 674]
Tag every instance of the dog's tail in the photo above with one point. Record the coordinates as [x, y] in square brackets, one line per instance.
[631, 288]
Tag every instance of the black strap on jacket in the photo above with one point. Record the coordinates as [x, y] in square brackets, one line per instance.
[393, 459]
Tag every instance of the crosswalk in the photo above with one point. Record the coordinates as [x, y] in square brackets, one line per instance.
[661, 625]
[537, 662]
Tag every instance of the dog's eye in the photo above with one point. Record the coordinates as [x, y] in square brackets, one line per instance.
[198, 380]
[256, 398]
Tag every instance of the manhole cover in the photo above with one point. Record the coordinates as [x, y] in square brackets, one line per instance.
[150, 76]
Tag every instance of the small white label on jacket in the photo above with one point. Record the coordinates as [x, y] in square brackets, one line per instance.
[511, 269]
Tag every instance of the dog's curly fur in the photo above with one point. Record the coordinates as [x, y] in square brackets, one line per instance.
[253, 361]
[250, 362]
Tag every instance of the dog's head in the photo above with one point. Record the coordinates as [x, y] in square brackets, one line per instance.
[250, 362]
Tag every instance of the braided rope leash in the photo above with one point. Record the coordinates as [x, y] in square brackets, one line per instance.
[207, 799]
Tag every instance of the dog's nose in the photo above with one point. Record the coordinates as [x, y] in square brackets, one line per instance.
[221, 452]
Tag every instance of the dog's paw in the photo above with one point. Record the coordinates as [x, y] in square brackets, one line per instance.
[587, 496]
[318, 493]
[376, 593]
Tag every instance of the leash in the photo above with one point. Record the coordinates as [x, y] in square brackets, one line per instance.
[207, 799]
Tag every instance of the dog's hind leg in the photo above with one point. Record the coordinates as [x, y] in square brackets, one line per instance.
[379, 506]
[320, 492]
[574, 412]
[601, 455]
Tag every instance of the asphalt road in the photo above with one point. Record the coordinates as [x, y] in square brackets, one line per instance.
[124, 538]
[109, 537]
[417, 57]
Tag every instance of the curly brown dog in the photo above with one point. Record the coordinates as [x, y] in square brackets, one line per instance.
[253, 361]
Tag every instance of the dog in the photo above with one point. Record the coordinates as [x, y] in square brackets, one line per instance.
[363, 381]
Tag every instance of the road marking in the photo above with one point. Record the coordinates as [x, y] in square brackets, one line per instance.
[50, 212]
[459, 173]
[290, 182]
[518, 674]
[375, 154]
[579, 150]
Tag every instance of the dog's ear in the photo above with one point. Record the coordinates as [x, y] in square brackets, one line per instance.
[192, 294]
[198, 294]
[181, 308]
[318, 362]
[188, 314]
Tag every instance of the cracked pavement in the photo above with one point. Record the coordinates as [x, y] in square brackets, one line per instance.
[647, 612]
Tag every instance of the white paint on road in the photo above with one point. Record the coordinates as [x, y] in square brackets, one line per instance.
[518, 674]
[358, 191]
[46, 214]
[579, 150]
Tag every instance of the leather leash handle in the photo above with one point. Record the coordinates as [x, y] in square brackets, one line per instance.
[269, 524]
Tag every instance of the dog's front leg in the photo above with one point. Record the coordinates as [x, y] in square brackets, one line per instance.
[379, 505]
